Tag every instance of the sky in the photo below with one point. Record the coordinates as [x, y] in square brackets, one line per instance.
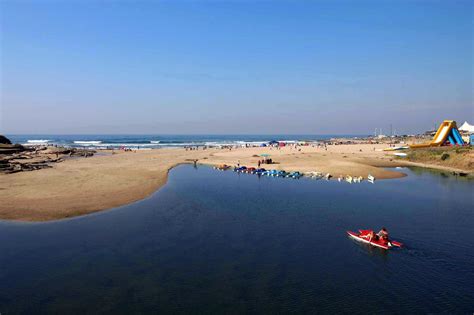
[234, 67]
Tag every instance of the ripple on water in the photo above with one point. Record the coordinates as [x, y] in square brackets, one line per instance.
[216, 242]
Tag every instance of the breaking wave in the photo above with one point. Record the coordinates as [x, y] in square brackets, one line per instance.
[88, 142]
[38, 141]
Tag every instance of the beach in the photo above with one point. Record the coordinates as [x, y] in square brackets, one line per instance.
[115, 178]
[236, 157]
[85, 185]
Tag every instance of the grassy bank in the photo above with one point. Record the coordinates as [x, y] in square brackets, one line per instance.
[461, 158]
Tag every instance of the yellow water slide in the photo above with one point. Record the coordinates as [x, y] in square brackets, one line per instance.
[440, 136]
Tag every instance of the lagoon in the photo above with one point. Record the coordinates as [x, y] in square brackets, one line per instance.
[222, 242]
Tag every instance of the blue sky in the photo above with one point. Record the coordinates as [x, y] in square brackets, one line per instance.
[308, 67]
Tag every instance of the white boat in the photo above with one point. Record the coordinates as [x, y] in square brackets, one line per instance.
[396, 148]
[349, 179]
[400, 154]
[314, 175]
[357, 179]
[371, 179]
[327, 176]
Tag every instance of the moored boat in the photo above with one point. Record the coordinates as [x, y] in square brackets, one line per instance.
[314, 175]
[271, 173]
[240, 169]
[371, 179]
[295, 175]
[249, 170]
[222, 167]
[282, 173]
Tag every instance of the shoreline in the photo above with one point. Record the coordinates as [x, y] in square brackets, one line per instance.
[441, 168]
[78, 187]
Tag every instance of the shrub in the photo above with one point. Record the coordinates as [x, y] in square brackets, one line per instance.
[444, 156]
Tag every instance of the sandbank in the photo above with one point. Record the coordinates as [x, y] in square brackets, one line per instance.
[86, 185]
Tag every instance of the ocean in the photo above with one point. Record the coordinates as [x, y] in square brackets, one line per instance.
[160, 141]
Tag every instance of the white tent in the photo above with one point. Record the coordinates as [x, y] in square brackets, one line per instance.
[467, 127]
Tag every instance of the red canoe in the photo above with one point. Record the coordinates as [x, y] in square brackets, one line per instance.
[362, 236]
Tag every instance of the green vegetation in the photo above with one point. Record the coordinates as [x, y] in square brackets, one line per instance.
[444, 156]
[454, 157]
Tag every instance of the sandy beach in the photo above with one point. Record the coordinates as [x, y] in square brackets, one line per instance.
[85, 185]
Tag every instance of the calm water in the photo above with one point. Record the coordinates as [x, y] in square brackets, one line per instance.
[219, 242]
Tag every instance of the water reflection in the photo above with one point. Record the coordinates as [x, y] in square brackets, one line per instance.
[222, 242]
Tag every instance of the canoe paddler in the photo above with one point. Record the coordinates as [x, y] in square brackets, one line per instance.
[370, 236]
[383, 234]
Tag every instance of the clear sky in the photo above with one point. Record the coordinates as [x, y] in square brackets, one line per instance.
[264, 67]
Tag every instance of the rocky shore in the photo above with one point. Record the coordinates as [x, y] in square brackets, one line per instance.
[16, 158]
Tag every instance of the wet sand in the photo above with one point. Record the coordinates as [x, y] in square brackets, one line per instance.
[80, 186]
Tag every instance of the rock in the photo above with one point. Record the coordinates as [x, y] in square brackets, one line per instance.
[11, 148]
[6, 146]
[4, 140]
[13, 160]
[57, 150]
